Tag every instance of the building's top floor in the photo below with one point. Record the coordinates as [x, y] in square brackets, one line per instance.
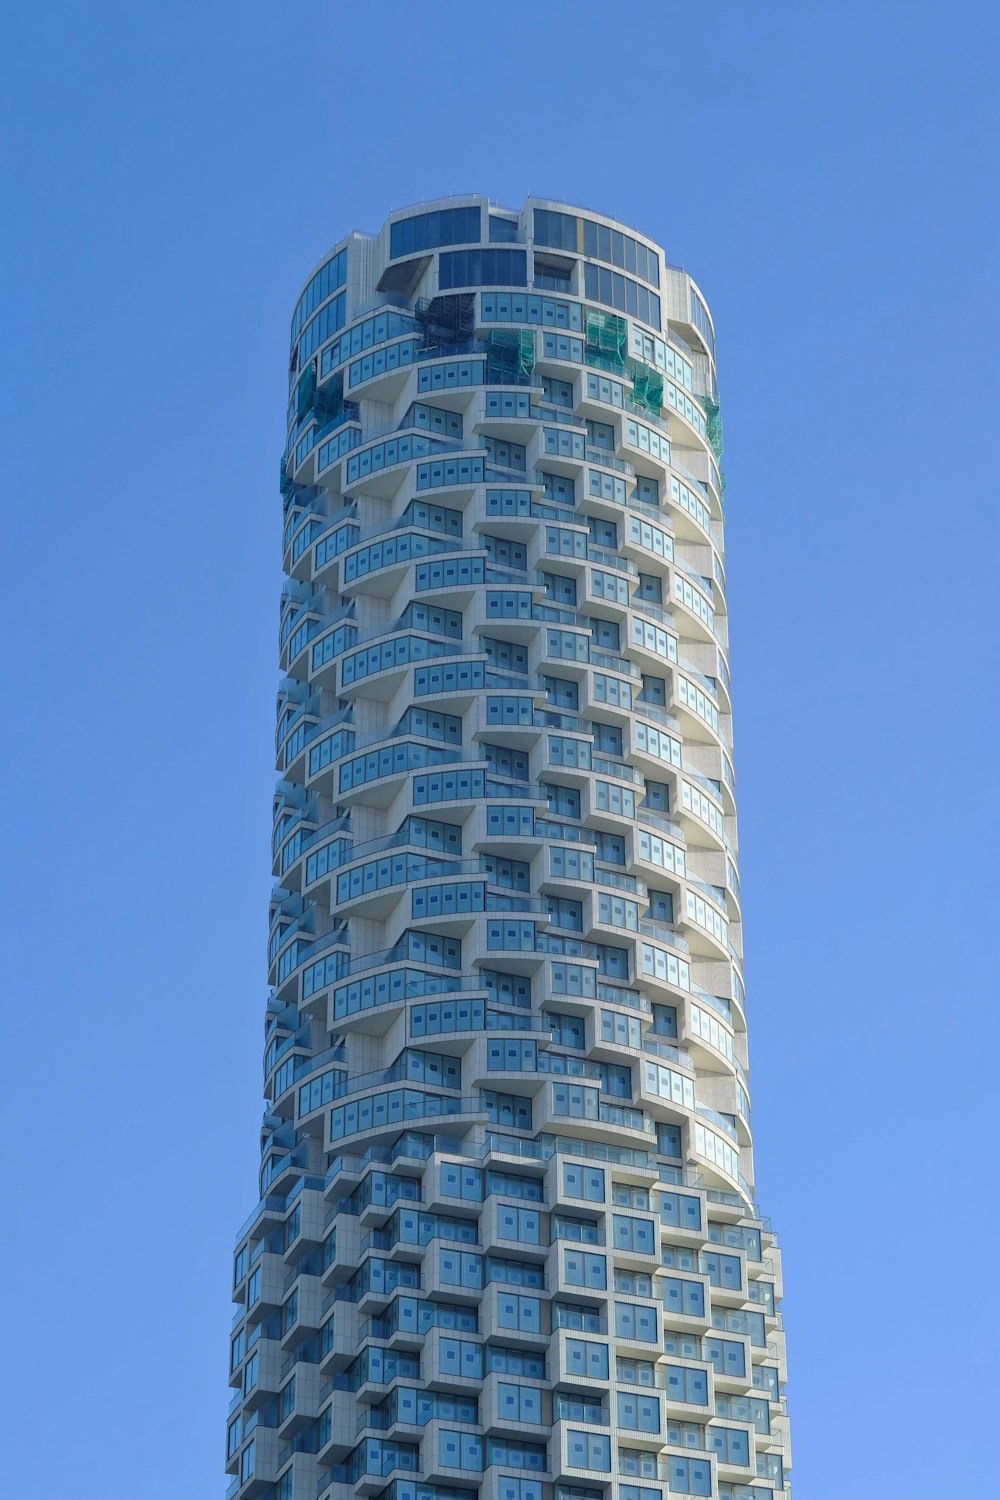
[466, 241]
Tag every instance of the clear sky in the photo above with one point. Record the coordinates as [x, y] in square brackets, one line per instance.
[828, 173]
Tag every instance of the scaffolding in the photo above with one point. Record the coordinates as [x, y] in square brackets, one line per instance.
[510, 356]
[447, 321]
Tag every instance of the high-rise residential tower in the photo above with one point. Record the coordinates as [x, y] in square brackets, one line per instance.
[507, 1245]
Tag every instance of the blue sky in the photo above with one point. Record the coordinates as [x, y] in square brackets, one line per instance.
[171, 173]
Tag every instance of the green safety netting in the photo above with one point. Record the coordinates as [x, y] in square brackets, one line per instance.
[510, 356]
[713, 432]
[606, 340]
[713, 426]
[647, 387]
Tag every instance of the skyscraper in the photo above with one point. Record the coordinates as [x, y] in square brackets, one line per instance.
[507, 1243]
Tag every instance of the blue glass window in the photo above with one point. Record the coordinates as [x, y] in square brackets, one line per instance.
[681, 1296]
[585, 1357]
[328, 279]
[588, 1450]
[583, 1182]
[329, 318]
[726, 1356]
[494, 267]
[692, 1476]
[519, 1403]
[604, 243]
[446, 226]
[683, 1384]
[633, 1320]
[515, 1311]
[622, 293]
[585, 1269]
[731, 1444]
[512, 1487]
[557, 231]
[642, 1413]
[637, 1235]
[460, 1450]
[680, 1209]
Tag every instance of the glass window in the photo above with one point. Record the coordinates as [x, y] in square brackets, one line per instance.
[642, 1413]
[446, 226]
[327, 280]
[690, 1385]
[583, 1268]
[634, 1320]
[486, 267]
[731, 1444]
[604, 243]
[587, 1450]
[622, 293]
[585, 1357]
[636, 1235]
[680, 1209]
[682, 1296]
[726, 1356]
[519, 1403]
[557, 231]
[583, 1182]
[691, 1476]
[460, 1450]
[247, 1462]
[519, 1312]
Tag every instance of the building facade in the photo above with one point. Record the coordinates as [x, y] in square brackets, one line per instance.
[506, 1243]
